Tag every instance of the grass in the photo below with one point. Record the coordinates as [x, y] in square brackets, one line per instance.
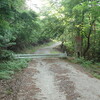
[93, 68]
[8, 68]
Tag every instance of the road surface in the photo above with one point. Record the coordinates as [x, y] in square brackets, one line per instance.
[57, 79]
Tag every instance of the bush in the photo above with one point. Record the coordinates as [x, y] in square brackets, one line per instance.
[94, 68]
[8, 68]
[6, 54]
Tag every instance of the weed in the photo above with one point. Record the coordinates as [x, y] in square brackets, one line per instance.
[94, 68]
[8, 68]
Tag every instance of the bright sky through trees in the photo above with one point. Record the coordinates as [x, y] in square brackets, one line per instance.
[35, 4]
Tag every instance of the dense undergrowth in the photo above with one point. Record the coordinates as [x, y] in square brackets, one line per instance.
[74, 22]
[20, 28]
[89, 65]
[9, 67]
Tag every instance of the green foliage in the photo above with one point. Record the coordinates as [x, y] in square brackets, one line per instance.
[96, 75]
[82, 19]
[53, 26]
[82, 61]
[5, 54]
[67, 19]
[19, 27]
[8, 68]
[92, 67]
[6, 74]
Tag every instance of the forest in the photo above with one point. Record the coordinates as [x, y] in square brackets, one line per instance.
[76, 23]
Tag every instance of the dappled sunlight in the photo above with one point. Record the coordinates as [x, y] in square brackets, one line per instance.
[63, 38]
[35, 5]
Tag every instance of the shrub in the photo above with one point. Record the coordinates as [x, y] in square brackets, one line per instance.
[6, 54]
[8, 68]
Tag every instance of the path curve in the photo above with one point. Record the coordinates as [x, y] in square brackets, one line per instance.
[56, 79]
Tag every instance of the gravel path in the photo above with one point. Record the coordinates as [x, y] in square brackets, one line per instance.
[56, 79]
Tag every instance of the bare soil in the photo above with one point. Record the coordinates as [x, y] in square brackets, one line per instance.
[54, 79]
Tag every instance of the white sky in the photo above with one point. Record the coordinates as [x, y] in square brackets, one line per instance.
[35, 4]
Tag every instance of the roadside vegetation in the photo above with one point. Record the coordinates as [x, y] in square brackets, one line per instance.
[76, 23]
[73, 22]
[88, 65]
[19, 29]
[9, 68]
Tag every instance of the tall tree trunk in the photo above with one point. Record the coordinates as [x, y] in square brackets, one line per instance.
[88, 38]
[83, 13]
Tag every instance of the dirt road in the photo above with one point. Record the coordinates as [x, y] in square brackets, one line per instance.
[56, 79]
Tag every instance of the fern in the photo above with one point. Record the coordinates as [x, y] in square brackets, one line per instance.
[8, 68]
